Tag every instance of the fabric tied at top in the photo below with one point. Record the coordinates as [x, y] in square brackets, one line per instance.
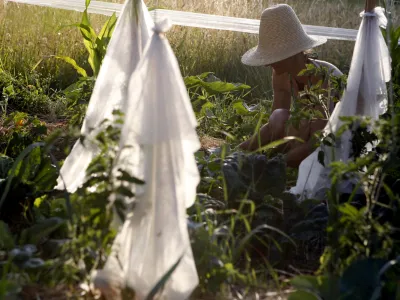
[141, 77]
[124, 51]
[365, 95]
[158, 142]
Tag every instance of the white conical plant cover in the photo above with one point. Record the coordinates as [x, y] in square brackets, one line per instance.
[365, 95]
[159, 129]
[131, 34]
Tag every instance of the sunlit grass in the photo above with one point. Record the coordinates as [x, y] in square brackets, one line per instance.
[28, 33]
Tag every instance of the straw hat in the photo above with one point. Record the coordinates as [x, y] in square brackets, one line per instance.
[281, 36]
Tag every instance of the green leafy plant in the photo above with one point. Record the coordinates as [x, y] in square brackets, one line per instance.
[31, 175]
[314, 96]
[29, 93]
[95, 44]
[221, 109]
[363, 279]
[19, 130]
[101, 200]
[78, 93]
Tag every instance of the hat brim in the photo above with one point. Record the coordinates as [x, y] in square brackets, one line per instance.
[256, 58]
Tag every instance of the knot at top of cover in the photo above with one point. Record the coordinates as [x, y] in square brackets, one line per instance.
[162, 26]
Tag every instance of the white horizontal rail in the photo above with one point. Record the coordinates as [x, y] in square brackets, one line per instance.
[191, 19]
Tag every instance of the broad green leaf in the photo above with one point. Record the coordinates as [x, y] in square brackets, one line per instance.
[206, 106]
[108, 28]
[89, 38]
[302, 295]
[306, 283]
[193, 80]
[73, 63]
[350, 211]
[86, 26]
[161, 283]
[46, 178]
[38, 201]
[95, 60]
[198, 104]
[37, 232]
[280, 142]
[29, 166]
[124, 191]
[216, 87]
[125, 176]
[240, 109]
[205, 75]
[323, 287]
[6, 238]
[258, 230]
[222, 87]
[361, 278]
[9, 90]
[395, 38]
[14, 168]
[5, 166]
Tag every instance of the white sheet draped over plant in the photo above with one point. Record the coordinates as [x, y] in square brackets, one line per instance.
[130, 36]
[159, 130]
[140, 75]
[365, 95]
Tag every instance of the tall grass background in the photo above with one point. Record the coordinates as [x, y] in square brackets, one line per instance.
[29, 33]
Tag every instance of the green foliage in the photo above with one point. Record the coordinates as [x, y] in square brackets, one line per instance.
[54, 237]
[7, 240]
[20, 131]
[363, 279]
[78, 94]
[74, 230]
[394, 37]
[30, 93]
[314, 96]
[361, 234]
[95, 44]
[243, 224]
[212, 85]
[100, 200]
[31, 175]
[221, 244]
[159, 286]
[221, 109]
[40, 230]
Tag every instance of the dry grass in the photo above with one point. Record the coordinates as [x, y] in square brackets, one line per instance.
[25, 40]
[208, 142]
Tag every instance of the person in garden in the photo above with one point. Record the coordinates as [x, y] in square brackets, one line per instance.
[283, 45]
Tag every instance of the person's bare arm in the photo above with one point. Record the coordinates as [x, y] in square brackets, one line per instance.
[281, 88]
[295, 156]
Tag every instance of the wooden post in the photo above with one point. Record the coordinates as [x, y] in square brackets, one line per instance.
[370, 5]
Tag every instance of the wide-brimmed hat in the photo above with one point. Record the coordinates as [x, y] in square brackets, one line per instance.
[281, 36]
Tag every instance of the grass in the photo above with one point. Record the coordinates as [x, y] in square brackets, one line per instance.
[24, 41]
